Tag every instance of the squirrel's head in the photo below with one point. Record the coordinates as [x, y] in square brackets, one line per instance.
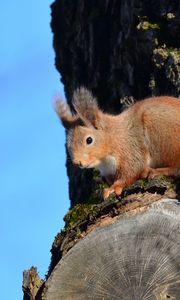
[86, 139]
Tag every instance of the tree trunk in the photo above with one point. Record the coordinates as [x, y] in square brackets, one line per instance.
[130, 248]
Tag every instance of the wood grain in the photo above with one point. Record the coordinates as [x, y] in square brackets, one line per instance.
[137, 257]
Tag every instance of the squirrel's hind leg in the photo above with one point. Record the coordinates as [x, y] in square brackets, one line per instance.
[168, 171]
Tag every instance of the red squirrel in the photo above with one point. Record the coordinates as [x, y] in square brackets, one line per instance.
[143, 141]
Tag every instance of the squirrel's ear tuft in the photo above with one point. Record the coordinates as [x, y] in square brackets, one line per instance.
[64, 113]
[86, 107]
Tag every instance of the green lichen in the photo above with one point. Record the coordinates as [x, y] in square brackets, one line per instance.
[169, 181]
[145, 25]
[142, 182]
[165, 181]
[80, 213]
[163, 53]
[160, 55]
[170, 16]
[152, 83]
[169, 59]
[90, 209]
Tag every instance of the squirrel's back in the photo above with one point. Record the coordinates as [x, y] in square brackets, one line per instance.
[160, 119]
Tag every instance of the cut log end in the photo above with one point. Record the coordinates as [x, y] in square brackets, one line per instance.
[136, 257]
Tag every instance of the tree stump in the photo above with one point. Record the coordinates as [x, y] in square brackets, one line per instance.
[135, 256]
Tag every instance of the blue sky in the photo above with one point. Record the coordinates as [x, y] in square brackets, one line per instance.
[33, 181]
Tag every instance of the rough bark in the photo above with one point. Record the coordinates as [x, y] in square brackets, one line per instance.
[32, 284]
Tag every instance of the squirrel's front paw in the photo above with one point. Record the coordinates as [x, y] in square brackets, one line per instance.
[112, 189]
[107, 192]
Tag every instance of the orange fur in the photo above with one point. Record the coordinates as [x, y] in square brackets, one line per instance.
[143, 141]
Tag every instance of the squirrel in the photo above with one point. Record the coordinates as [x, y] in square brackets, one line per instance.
[142, 141]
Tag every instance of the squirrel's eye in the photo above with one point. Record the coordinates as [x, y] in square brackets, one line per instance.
[89, 140]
